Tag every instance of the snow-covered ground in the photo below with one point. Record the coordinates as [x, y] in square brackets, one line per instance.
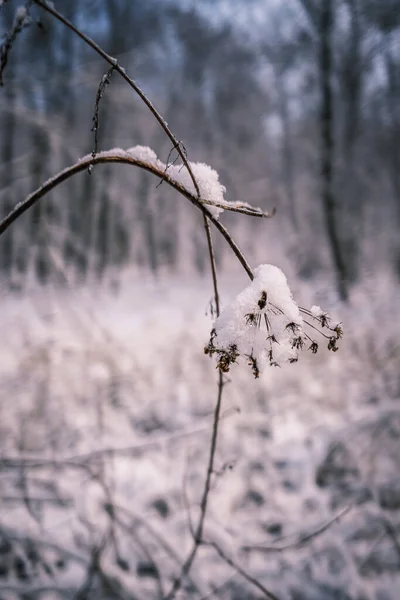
[105, 422]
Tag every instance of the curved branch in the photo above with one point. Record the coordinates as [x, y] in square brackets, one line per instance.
[125, 158]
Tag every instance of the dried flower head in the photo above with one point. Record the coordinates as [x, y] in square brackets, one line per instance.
[266, 326]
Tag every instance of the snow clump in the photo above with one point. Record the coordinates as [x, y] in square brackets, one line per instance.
[211, 190]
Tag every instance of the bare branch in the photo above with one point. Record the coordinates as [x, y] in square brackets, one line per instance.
[21, 21]
[105, 80]
[243, 573]
[302, 539]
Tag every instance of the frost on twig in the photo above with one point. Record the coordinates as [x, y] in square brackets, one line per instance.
[211, 190]
[21, 20]
[265, 326]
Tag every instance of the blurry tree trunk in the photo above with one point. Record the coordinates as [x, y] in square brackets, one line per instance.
[393, 107]
[321, 18]
[393, 103]
[41, 210]
[287, 153]
[8, 153]
[351, 71]
[146, 217]
[327, 144]
[352, 79]
[103, 224]
[44, 213]
[7, 178]
[66, 102]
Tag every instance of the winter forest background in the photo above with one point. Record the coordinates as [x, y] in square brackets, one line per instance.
[106, 395]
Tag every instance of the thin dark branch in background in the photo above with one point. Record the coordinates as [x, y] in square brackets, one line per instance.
[105, 80]
[243, 573]
[38, 541]
[212, 263]
[21, 21]
[92, 570]
[302, 539]
[392, 533]
[81, 461]
[144, 522]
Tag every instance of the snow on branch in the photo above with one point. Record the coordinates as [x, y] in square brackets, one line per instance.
[211, 191]
[144, 157]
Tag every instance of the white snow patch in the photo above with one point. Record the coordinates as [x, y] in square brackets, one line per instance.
[146, 155]
[317, 312]
[207, 178]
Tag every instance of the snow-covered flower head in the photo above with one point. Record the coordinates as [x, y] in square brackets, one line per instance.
[266, 326]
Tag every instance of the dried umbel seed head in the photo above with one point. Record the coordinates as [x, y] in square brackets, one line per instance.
[266, 326]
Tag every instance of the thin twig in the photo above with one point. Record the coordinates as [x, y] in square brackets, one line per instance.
[217, 589]
[212, 263]
[143, 547]
[243, 573]
[105, 81]
[145, 523]
[302, 539]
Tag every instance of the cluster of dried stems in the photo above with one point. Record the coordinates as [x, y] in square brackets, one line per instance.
[117, 518]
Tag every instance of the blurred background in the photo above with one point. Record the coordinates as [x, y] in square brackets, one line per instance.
[106, 397]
